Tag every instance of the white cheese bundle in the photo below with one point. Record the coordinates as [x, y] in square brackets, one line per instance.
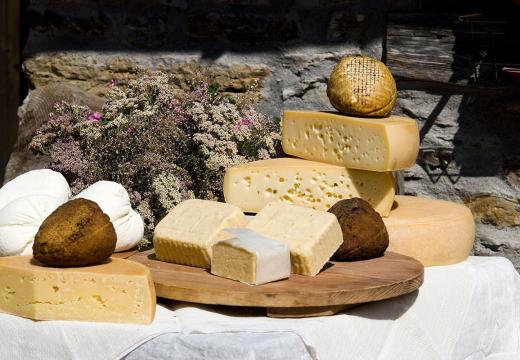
[114, 201]
[25, 202]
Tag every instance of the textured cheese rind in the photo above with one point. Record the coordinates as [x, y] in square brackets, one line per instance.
[306, 183]
[119, 291]
[312, 235]
[251, 258]
[35, 182]
[185, 236]
[435, 232]
[20, 221]
[386, 144]
[114, 201]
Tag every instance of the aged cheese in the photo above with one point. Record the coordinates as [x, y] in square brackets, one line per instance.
[306, 183]
[385, 144]
[435, 232]
[186, 235]
[251, 258]
[312, 235]
[118, 291]
[35, 182]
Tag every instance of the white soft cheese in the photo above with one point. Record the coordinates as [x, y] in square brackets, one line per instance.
[20, 221]
[251, 258]
[114, 201]
[35, 182]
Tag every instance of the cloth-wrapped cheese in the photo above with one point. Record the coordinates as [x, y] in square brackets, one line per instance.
[363, 86]
[35, 182]
[113, 199]
[20, 221]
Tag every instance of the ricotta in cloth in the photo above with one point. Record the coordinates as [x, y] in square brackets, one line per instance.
[113, 199]
[35, 182]
[20, 221]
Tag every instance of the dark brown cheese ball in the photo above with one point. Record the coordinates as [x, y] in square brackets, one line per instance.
[364, 232]
[77, 233]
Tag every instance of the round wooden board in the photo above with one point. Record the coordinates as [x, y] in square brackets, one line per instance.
[338, 284]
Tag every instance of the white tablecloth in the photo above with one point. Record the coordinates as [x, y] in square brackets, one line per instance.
[469, 310]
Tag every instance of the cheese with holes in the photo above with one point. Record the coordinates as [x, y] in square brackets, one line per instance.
[251, 258]
[306, 183]
[185, 236]
[385, 144]
[312, 235]
[435, 232]
[119, 291]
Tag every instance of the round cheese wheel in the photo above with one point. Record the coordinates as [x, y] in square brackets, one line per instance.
[362, 86]
[20, 221]
[435, 232]
[113, 199]
[35, 182]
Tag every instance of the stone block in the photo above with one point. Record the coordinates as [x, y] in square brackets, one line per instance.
[494, 210]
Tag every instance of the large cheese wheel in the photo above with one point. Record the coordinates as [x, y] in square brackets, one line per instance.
[435, 232]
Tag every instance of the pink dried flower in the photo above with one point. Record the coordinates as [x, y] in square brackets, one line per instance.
[112, 83]
[95, 116]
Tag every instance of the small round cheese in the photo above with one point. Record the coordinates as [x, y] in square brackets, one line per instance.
[363, 86]
[113, 199]
[20, 221]
[35, 182]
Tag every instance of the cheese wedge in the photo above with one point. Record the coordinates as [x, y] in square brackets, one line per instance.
[119, 291]
[306, 183]
[185, 236]
[384, 144]
[435, 232]
[251, 258]
[312, 235]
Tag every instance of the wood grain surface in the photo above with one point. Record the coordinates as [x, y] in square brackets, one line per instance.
[339, 283]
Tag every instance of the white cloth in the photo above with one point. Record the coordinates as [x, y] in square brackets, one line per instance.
[467, 311]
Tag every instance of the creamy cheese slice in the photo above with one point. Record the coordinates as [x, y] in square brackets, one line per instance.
[119, 291]
[306, 183]
[185, 236]
[382, 144]
[312, 235]
[251, 258]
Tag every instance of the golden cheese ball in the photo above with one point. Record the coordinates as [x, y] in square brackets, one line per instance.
[362, 86]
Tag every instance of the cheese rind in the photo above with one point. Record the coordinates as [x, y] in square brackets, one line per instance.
[306, 183]
[118, 291]
[435, 232]
[251, 258]
[185, 236]
[386, 144]
[312, 235]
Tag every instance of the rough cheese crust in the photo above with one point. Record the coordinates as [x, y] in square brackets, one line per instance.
[185, 236]
[386, 144]
[435, 232]
[312, 236]
[311, 184]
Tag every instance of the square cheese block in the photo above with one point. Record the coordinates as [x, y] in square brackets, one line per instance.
[185, 236]
[435, 232]
[306, 183]
[382, 144]
[119, 291]
[312, 235]
[251, 258]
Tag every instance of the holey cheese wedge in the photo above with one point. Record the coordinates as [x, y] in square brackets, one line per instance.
[185, 236]
[119, 291]
[384, 144]
[306, 183]
[312, 235]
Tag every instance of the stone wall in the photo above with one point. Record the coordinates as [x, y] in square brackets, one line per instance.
[284, 50]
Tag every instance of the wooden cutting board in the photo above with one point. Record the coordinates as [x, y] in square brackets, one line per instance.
[338, 286]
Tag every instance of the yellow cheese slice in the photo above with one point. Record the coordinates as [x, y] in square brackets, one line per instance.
[312, 235]
[119, 291]
[383, 144]
[186, 235]
[435, 232]
[306, 183]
